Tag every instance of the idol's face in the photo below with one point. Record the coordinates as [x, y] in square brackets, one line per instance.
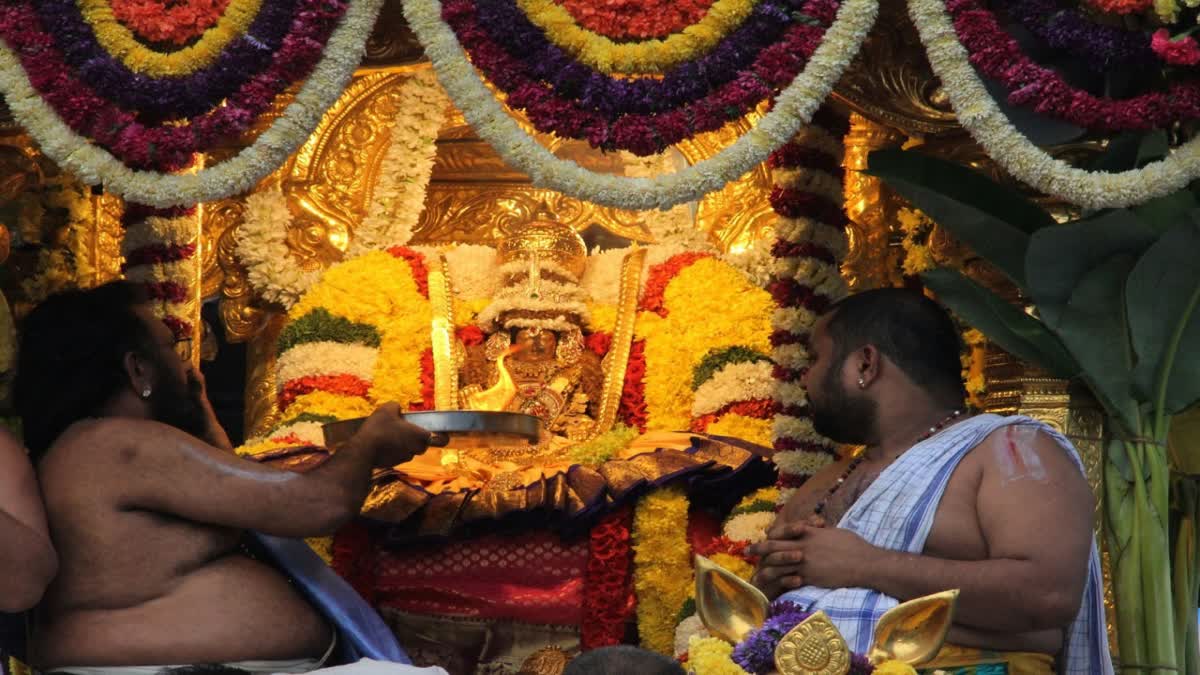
[536, 343]
[839, 412]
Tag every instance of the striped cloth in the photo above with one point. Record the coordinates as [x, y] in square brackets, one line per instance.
[896, 513]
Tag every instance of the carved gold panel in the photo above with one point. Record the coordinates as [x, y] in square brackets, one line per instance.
[873, 260]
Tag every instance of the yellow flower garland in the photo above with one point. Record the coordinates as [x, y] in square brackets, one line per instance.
[676, 343]
[662, 561]
[120, 42]
[647, 56]
[711, 656]
[378, 288]
[746, 428]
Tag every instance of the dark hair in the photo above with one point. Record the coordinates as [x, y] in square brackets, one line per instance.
[916, 333]
[622, 659]
[71, 357]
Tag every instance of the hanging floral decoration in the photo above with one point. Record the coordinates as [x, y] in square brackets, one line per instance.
[57, 69]
[793, 105]
[160, 253]
[810, 247]
[607, 582]
[397, 202]
[174, 23]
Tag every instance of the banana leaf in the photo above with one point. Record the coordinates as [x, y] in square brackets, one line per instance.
[995, 221]
[1183, 442]
[1161, 298]
[1013, 330]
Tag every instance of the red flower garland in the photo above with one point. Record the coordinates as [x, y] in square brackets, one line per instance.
[168, 291]
[636, 19]
[420, 271]
[427, 382]
[168, 21]
[608, 581]
[470, 336]
[152, 254]
[998, 56]
[632, 409]
[661, 275]
[791, 201]
[179, 328]
[599, 342]
[348, 385]
[759, 409]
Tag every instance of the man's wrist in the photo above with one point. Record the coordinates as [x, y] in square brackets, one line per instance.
[868, 569]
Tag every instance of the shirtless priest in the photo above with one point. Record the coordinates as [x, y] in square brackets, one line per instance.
[147, 505]
[996, 507]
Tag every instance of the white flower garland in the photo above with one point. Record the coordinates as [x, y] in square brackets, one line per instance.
[744, 381]
[399, 198]
[793, 109]
[979, 115]
[676, 225]
[602, 278]
[472, 271]
[325, 358]
[756, 261]
[95, 165]
[406, 167]
[749, 527]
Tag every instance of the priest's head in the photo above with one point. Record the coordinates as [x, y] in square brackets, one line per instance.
[888, 347]
[101, 352]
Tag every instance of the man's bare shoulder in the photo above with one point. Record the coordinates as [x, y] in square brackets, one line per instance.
[12, 453]
[106, 439]
[1023, 461]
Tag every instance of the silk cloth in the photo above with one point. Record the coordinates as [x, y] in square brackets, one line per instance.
[955, 660]
[896, 512]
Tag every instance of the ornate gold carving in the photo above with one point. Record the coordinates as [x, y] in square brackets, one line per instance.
[392, 42]
[814, 647]
[241, 316]
[891, 82]
[740, 213]
[262, 409]
[219, 217]
[546, 661]
[872, 261]
[445, 363]
[617, 359]
[106, 238]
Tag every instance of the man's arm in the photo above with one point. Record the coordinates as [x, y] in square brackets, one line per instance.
[27, 559]
[155, 467]
[1035, 513]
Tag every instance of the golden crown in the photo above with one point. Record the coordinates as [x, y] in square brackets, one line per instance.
[544, 239]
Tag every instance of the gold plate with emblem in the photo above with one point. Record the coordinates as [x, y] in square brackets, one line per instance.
[814, 647]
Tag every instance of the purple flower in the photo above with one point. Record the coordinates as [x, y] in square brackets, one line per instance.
[156, 99]
[1100, 47]
[756, 654]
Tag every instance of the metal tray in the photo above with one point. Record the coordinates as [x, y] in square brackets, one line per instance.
[449, 422]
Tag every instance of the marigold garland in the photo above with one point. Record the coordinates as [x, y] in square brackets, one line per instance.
[662, 565]
[647, 56]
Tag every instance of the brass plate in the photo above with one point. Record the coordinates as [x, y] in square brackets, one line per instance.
[449, 422]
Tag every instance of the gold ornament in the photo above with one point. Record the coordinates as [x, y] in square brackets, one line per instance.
[544, 239]
[815, 647]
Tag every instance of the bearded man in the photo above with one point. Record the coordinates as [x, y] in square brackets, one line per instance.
[996, 507]
[148, 506]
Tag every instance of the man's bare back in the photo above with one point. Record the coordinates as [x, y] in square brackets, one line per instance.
[139, 587]
[958, 531]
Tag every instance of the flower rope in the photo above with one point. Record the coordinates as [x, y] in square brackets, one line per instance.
[980, 116]
[811, 244]
[96, 166]
[645, 56]
[160, 254]
[793, 108]
[607, 589]
[398, 200]
[662, 562]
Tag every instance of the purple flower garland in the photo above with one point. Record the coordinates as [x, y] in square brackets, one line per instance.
[612, 97]
[756, 654]
[1100, 47]
[163, 98]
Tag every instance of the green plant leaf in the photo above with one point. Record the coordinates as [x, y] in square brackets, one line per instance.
[1060, 256]
[1131, 150]
[1092, 325]
[1183, 443]
[1161, 299]
[1013, 330]
[994, 220]
[1165, 212]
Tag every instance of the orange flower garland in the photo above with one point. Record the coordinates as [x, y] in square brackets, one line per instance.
[171, 21]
